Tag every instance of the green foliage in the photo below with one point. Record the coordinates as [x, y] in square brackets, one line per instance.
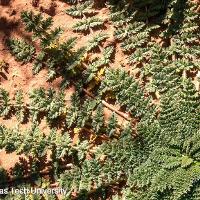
[133, 34]
[21, 50]
[130, 30]
[38, 103]
[107, 55]
[49, 102]
[180, 14]
[119, 18]
[88, 24]
[56, 104]
[135, 42]
[5, 107]
[59, 57]
[92, 69]
[112, 124]
[80, 10]
[164, 79]
[80, 180]
[36, 24]
[62, 144]
[96, 41]
[18, 171]
[139, 56]
[19, 107]
[162, 162]
[72, 113]
[177, 161]
[97, 65]
[140, 10]
[175, 174]
[85, 113]
[156, 155]
[178, 114]
[34, 143]
[121, 156]
[98, 119]
[3, 175]
[127, 91]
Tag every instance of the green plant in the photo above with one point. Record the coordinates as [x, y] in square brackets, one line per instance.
[112, 124]
[21, 50]
[20, 110]
[127, 91]
[5, 102]
[96, 41]
[88, 24]
[148, 149]
[80, 10]
[59, 57]
[4, 176]
[98, 119]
